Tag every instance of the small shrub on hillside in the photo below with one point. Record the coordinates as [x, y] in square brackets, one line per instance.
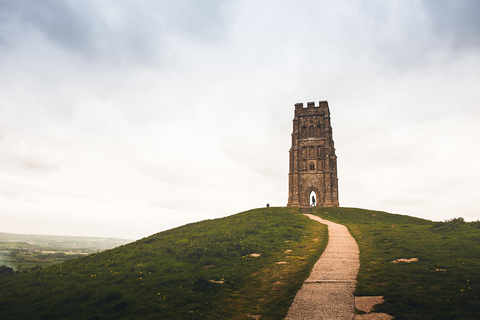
[6, 271]
[475, 224]
[452, 224]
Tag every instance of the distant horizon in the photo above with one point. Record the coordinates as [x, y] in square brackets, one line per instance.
[64, 236]
[120, 238]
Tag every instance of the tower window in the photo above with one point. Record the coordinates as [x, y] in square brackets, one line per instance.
[312, 166]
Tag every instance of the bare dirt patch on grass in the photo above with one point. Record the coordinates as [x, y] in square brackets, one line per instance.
[405, 260]
[366, 304]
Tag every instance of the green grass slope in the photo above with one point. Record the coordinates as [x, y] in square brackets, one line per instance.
[203, 270]
[445, 281]
[208, 270]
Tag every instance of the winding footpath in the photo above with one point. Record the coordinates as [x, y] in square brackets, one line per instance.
[328, 291]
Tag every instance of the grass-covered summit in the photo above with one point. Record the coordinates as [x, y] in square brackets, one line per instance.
[251, 263]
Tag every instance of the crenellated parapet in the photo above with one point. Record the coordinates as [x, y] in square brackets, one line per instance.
[311, 109]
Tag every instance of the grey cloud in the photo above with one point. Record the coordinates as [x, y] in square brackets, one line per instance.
[457, 23]
[56, 19]
[399, 34]
[204, 19]
[124, 32]
[61, 22]
[411, 34]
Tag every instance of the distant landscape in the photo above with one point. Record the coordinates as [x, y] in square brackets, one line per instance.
[26, 251]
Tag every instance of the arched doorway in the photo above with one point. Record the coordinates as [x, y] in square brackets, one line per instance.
[312, 199]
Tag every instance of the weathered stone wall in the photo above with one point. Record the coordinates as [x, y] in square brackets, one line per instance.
[313, 163]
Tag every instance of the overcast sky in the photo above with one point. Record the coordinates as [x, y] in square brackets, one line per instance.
[126, 118]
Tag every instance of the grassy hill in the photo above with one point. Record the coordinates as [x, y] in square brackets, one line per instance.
[211, 270]
[205, 270]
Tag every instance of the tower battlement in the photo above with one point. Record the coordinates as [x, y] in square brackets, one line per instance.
[300, 110]
[310, 105]
[313, 163]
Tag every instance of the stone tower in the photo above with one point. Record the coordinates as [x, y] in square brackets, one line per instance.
[313, 163]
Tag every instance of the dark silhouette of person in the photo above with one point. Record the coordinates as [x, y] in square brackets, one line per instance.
[268, 205]
[313, 201]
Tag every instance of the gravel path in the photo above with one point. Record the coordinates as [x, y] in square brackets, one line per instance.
[328, 291]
